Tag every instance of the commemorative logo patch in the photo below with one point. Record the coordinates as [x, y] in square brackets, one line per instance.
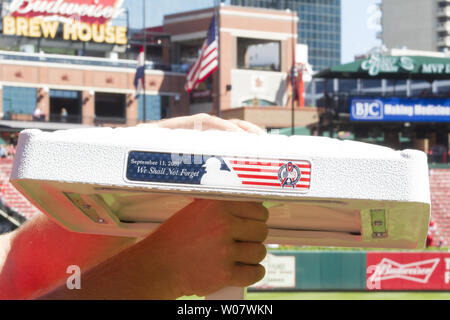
[289, 175]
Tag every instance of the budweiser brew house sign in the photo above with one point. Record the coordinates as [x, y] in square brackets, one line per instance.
[75, 20]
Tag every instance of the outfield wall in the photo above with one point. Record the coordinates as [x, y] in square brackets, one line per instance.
[355, 271]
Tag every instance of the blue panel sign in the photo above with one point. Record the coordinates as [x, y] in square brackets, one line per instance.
[400, 110]
[168, 168]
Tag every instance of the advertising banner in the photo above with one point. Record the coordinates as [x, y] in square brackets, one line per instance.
[400, 109]
[280, 273]
[71, 20]
[408, 271]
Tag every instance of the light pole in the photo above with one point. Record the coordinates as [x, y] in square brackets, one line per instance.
[144, 100]
[217, 5]
[294, 88]
[294, 71]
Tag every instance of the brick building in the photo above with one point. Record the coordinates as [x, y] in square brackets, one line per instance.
[83, 81]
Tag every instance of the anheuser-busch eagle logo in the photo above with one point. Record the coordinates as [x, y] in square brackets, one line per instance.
[387, 269]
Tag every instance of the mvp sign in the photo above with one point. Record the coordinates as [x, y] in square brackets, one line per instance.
[75, 20]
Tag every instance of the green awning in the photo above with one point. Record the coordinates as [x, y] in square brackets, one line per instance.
[391, 67]
[298, 131]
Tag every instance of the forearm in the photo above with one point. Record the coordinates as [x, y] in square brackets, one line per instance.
[199, 250]
[137, 273]
[37, 255]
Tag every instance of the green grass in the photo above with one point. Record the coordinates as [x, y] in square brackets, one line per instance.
[349, 296]
[342, 296]
[284, 248]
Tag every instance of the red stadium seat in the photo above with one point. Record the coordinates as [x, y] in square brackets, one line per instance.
[11, 197]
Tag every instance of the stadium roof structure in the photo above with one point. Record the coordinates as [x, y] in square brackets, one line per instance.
[391, 67]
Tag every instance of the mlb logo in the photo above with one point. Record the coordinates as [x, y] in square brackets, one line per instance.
[367, 109]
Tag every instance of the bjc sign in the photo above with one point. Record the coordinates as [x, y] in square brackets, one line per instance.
[408, 271]
[400, 109]
[367, 110]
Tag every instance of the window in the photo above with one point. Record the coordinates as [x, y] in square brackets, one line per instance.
[258, 54]
[203, 93]
[153, 105]
[110, 107]
[67, 94]
[68, 101]
[19, 100]
[188, 52]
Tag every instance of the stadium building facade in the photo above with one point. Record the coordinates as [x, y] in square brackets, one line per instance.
[319, 26]
[257, 51]
[63, 68]
[81, 72]
[397, 98]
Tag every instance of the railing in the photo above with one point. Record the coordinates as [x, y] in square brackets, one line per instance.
[75, 119]
[57, 118]
[443, 27]
[60, 118]
[443, 12]
[444, 41]
[439, 156]
[87, 61]
[435, 165]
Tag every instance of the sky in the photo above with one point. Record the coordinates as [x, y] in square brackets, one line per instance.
[358, 17]
[358, 28]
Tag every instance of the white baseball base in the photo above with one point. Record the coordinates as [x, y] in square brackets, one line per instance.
[319, 191]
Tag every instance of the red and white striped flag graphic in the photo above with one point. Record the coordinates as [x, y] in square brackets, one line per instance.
[272, 173]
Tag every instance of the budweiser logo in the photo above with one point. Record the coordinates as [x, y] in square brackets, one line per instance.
[90, 11]
[387, 269]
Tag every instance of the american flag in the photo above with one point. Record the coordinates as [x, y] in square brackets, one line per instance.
[139, 78]
[207, 62]
[266, 173]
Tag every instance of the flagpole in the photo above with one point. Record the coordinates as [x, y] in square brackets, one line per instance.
[293, 75]
[219, 111]
[145, 58]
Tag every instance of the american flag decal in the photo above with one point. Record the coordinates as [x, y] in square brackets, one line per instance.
[207, 62]
[272, 174]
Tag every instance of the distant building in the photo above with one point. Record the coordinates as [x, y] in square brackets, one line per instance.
[319, 26]
[256, 58]
[416, 24]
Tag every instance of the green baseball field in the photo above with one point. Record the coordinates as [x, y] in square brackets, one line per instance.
[342, 296]
[350, 296]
